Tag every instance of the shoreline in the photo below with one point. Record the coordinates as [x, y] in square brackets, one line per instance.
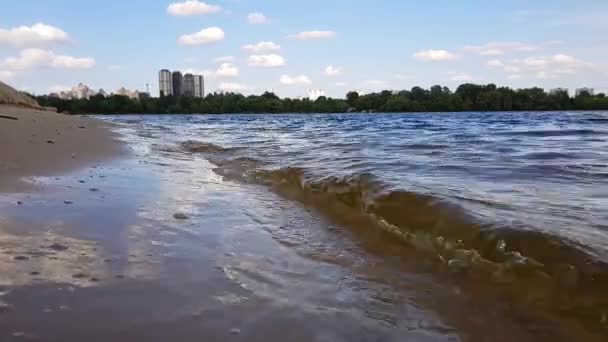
[42, 143]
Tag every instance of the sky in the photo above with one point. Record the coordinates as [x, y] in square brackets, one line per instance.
[290, 47]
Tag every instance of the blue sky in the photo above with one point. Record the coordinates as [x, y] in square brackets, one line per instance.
[370, 45]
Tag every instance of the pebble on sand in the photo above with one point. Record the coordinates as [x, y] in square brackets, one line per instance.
[180, 216]
[58, 247]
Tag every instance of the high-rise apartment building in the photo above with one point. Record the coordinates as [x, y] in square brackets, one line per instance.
[178, 82]
[199, 86]
[165, 83]
[189, 85]
[174, 84]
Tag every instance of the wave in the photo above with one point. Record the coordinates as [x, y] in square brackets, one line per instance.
[553, 133]
[194, 146]
[552, 271]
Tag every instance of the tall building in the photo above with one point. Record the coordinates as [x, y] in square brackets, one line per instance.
[188, 85]
[178, 81]
[199, 86]
[165, 83]
[174, 84]
[590, 91]
[556, 91]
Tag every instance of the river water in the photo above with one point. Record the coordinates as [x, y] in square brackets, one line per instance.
[517, 196]
[383, 227]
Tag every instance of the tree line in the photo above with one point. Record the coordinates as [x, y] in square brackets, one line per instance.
[467, 97]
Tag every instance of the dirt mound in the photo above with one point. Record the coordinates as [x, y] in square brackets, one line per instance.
[10, 96]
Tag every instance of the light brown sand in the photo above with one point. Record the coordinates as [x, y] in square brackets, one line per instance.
[44, 143]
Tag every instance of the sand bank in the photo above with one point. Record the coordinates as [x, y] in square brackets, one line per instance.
[35, 143]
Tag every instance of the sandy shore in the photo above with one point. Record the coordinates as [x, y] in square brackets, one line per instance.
[36, 143]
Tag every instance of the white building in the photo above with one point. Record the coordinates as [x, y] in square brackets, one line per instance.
[579, 91]
[556, 91]
[128, 93]
[165, 83]
[81, 91]
[314, 94]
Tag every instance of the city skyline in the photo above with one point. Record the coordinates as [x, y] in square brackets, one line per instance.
[173, 83]
[252, 47]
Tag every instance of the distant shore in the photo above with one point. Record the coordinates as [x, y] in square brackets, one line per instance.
[38, 143]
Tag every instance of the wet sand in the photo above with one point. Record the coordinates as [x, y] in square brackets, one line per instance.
[36, 143]
[155, 246]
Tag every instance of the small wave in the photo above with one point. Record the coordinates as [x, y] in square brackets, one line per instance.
[553, 133]
[548, 156]
[194, 146]
[425, 146]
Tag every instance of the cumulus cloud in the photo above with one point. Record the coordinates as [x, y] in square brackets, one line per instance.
[262, 47]
[295, 80]
[225, 59]
[543, 67]
[257, 18]
[37, 58]
[495, 63]
[204, 36]
[435, 56]
[232, 87]
[309, 35]
[6, 74]
[333, 71]
[227, 70]
[38, 34]
[501, 48]
[266, 61]
[191, 7]
[59, 88]
[460, 76]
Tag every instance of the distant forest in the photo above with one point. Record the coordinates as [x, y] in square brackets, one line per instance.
[467, 97]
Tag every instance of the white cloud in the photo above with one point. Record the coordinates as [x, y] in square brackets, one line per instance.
[341, 84]
[204, 36]
[434, 56]
[6, 74]
[514, 77]
[37, 58]
[501, 48]
[59, 88]
[232, 87]
[543, 67]
[257, 18]
[38, 34]
[225, 59]
[262, 47]
[227, 70]
[460, 76]
[375, 84]
[191, 7]
[495, 63]
[295, 80]
[333, 71]
[308, 35]
[266, 61]
[114, 67]
[402, 77]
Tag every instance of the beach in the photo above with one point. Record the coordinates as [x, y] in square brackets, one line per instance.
[155, 228]
[36, 143]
